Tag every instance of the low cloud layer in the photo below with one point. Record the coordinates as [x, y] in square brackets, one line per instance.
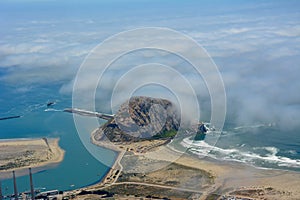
[255, 47]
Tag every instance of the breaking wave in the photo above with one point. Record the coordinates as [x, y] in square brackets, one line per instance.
[34, 107]
[266, 157]
[255, 126]
[52, 110]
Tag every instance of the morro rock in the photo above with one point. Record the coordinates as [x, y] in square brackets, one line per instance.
[142, 118]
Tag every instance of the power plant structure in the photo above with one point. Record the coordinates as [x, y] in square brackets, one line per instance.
[15, 186]
[31, 185]
[1, 195]
[32, 194]
[16, 194]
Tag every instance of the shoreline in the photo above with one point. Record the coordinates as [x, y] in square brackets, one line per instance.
[228, 176]
[232, 176]
[107, 145]
[56, 150]
[229, 162]
[119, 155]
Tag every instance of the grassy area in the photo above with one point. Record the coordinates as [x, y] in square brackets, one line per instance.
[213, 197]
[148, 192]
[175, 175]
[165, 134]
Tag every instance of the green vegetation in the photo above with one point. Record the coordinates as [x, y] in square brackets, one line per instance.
[166, 134]
[147, 192]
[19, 163]
[213, 196]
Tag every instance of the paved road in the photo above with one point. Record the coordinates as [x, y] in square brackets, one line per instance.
[118, 161]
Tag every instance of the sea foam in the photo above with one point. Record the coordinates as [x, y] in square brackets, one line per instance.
[271, 158]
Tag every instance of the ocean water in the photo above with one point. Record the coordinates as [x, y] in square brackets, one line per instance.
[259, 145]
[78, 168]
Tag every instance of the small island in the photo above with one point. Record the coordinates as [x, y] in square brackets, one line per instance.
[20, 154]
[148, 167]
[141, 125]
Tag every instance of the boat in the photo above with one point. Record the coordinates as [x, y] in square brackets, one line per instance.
[51, 103]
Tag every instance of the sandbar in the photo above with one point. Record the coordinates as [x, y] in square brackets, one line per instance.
[20, 154]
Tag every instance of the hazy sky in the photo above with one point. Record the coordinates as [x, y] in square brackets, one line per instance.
[255, 44]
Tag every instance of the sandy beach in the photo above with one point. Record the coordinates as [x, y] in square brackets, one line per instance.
[20, 154]
[229, 178]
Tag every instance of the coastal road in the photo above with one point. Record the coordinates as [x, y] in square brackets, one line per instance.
[118, 165]
[118, 161]
[211, 190]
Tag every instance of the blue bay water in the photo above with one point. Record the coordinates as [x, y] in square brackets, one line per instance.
[260, 145]
[78, 168]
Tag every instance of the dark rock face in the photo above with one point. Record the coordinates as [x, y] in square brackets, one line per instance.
[142, 118]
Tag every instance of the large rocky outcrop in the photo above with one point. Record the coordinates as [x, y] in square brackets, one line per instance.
[143, 118]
